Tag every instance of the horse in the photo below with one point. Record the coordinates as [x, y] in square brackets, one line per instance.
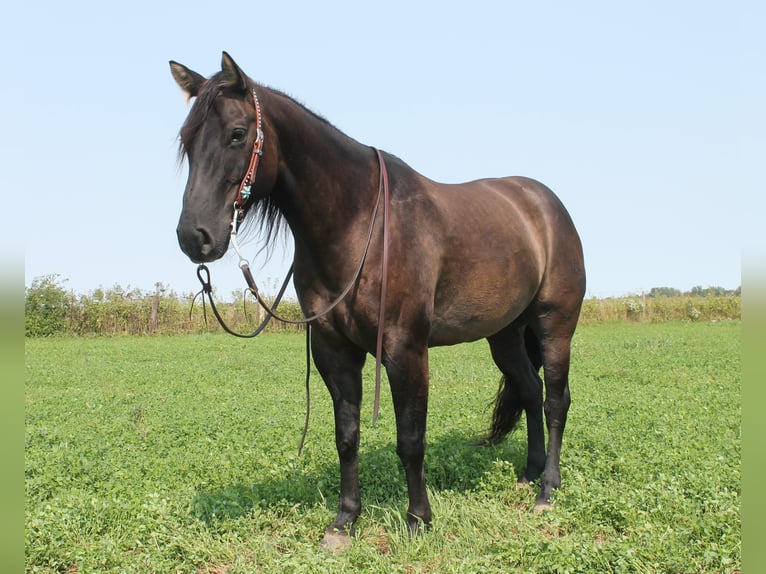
[436, 264]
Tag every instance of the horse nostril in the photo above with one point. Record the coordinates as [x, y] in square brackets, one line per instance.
[206, 241]
[197, 242]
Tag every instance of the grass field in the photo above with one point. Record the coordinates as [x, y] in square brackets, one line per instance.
[178, 454]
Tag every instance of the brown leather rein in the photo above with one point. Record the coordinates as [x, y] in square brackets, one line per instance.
[243, 195]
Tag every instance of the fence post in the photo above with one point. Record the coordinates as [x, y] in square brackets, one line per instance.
[159, 288]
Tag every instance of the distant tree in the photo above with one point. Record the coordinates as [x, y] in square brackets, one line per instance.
[46, 307]
[714, 291]
[664, 292]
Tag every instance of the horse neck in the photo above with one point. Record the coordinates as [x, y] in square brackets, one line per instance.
[326, 183]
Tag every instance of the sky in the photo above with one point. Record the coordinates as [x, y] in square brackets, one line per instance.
[646, 118]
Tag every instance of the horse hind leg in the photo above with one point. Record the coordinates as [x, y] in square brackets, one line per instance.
[555, 331]
[516, 353]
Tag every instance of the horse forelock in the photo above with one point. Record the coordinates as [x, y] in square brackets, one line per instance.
[198, 113]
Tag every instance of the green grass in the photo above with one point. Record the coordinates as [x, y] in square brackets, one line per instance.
[178, 454]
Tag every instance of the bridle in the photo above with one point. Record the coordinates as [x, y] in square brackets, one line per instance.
[243, 195]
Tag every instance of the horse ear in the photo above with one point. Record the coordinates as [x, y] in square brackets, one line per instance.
[233, 76]
[189, 80]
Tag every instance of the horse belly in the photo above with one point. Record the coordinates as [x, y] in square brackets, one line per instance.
[476, 315]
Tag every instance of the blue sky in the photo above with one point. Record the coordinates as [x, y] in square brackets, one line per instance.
[647, 119]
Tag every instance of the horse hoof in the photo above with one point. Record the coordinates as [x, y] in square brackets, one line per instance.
[336, 542]
[417, 528]
[542, 505]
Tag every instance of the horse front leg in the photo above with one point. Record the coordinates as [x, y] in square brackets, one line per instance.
[341, 368]
[408, 377]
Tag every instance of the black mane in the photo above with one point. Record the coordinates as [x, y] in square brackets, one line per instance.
[204, 102]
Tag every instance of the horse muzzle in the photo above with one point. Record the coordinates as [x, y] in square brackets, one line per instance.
[199, 243]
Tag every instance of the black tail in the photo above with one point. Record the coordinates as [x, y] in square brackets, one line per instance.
[508, 409]
[508, 402]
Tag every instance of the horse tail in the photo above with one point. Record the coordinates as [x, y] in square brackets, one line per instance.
[508, 409]
[509, 403]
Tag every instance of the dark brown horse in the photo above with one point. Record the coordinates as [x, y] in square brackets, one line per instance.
[497, 258]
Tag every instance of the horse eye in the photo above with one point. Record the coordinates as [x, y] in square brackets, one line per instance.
[238, 135]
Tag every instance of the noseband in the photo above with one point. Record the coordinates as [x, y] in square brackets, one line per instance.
[243, 195]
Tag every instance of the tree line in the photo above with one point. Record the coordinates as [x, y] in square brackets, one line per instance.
[698, 291]
[51, 309]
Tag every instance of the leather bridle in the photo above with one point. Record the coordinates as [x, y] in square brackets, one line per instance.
[243, 195]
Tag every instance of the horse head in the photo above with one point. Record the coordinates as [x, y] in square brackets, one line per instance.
[218, 139]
